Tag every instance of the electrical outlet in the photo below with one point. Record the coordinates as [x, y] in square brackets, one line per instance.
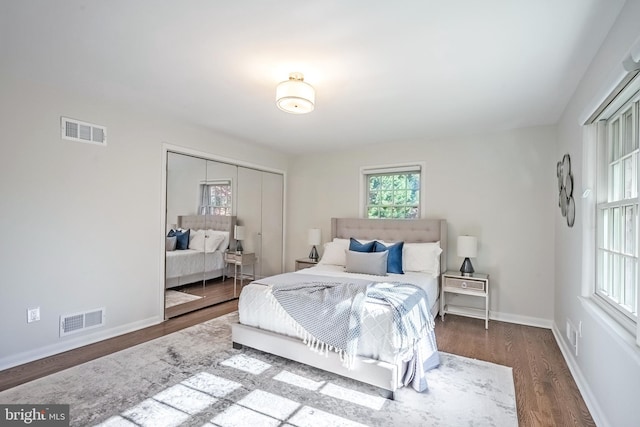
[33, 314]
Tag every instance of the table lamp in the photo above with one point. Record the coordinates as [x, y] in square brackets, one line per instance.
[238, 234]
[314, 239]
[467, 248]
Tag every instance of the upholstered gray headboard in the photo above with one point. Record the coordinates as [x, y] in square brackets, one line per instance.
[394, 230]
[207, 222]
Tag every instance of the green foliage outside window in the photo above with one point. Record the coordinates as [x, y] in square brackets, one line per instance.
[394, 196]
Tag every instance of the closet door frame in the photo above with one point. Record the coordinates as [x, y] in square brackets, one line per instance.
[166, 147]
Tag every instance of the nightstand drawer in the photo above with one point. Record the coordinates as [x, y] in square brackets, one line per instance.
[246, 258]
[467, 284]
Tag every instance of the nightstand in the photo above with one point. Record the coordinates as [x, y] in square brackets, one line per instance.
[239, 261]
[305, 263]
[477, 285]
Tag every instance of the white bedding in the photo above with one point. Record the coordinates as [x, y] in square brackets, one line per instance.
[183, 265]
[256, 308]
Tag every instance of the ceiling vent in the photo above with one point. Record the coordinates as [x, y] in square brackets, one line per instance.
[72, 323]
[76, 130]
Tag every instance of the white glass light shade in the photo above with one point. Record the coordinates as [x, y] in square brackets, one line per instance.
[238, 232]
[295, 96]
[467, 246]
[315, 236]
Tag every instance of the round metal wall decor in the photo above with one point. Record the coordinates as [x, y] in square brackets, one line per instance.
[565, 187]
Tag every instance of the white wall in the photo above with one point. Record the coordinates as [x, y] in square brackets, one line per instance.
[607, 368]
[499, 187]
[82, 224]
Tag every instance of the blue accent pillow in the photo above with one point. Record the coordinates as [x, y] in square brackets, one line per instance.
[182, 238]
[356, 246]
[394, 260]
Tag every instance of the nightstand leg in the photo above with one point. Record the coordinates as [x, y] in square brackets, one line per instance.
[486, 312]
[235, 278]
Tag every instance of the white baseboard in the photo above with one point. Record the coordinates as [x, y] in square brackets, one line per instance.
[581, 382]
[75, 342]
[521, 320]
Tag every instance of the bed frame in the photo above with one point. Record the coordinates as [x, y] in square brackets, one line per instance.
[200, 222]
[384, 375]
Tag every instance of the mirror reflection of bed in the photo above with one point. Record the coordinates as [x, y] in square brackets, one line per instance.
[194, 277]
[202, 195]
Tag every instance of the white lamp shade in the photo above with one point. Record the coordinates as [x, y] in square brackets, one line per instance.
[315, 236]
[238, 232]
[295, 96]
[467, 246]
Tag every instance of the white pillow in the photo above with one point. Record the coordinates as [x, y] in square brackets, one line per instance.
[196, 240]
[367, 262]
[422, 257]
[212, 241]
[224, 244]
[334, 252]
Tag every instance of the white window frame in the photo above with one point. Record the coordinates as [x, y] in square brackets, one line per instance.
[206, 207]
[607, 281]
[366, 171]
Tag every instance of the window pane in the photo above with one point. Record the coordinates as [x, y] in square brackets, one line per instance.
[629, 294]
[629, 177]
[412, 197]
[386, 182]
[616, 179]
[616, 227]
[413, 181]
[374, 198]
[628, 131]
[393, 195]
[375, 182]
[400, 197]
[616, 279]
[614, 146]
[385, 213]
[400, 182]
[386, 197]
[629, 230]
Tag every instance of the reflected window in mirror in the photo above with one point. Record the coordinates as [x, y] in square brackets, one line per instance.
[216, 198]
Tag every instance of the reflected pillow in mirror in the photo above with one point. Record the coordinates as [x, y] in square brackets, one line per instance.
[182, 239]
[196, 240]
[170, 243]
[222, 246]
[212, 241]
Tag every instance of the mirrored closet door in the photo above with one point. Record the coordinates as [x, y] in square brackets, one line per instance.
[217, 212]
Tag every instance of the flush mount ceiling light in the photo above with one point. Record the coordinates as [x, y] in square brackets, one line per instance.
[295, 96]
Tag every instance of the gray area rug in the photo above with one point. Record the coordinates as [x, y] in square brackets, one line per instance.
[172, 298]
[195, 378]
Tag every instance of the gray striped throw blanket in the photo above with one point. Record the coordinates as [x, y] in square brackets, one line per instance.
[328, 312]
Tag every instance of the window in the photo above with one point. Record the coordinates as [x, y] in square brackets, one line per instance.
[617, 206]
[216, 198]
[392, 192]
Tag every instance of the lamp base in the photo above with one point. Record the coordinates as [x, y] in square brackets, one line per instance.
[466, 269]
[314, 254]
[239, 249]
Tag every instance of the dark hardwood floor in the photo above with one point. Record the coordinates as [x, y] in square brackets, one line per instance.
[213, 291]
[546, 394]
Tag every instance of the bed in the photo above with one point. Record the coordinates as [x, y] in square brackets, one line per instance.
[262, 325]
[204, 259]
